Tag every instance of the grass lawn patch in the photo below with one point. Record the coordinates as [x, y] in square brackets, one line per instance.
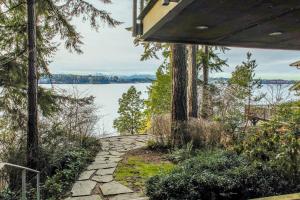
[139, 165]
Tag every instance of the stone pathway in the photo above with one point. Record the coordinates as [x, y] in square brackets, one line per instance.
[97, 182]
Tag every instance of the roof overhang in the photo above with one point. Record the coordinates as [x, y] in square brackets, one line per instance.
[270, 24]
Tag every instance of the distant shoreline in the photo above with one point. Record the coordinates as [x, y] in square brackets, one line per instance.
[122, 79]
[134, 83]
[93, 83]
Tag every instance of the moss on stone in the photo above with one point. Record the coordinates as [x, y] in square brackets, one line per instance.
[134, 171]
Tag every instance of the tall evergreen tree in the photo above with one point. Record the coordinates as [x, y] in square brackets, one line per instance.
[192, 81]
[131, 119]
[53, 20]
[32, 129]
[179, 94]
[244, 79]
[160, 91]
[209, 61]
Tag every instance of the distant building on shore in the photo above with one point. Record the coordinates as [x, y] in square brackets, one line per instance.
[296, 64]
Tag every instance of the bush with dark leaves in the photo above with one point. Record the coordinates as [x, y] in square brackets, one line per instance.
[219, 175]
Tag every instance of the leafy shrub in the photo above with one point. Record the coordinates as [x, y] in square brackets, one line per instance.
[179, 155]
[66, 143]
[72, 164]
[219, 175]
[275, 142]
[6, 194]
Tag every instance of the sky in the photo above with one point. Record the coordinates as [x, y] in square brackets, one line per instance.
[111, 51]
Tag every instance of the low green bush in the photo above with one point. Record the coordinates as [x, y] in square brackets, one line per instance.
[275, 142]
[219, 175]
[6, 194]
[181, 154]
[72, 164]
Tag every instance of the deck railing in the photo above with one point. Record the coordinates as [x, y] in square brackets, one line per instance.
[24, 182]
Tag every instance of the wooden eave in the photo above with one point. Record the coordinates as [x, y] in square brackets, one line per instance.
[269, 24]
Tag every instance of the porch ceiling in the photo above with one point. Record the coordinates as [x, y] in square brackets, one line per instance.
[270, 24]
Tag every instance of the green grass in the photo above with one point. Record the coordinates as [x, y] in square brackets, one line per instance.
[135, 171]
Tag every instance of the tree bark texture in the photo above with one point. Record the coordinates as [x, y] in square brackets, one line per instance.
[205, 86]
[32, 129]
[192, 81]
[179, 94]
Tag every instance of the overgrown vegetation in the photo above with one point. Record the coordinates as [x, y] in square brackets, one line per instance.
[55, 133]
[72, 163]
[220, 175]
[264, 161]
[67, 143]
[139, 166]
[229, 158]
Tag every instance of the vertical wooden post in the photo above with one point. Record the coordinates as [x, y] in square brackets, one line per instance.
[179, 94]
[38, 189]
[134, 18]
[32, 130]
[23, 193]
[192, 81]
[142, 3]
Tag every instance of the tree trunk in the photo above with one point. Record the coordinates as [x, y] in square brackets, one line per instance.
[205, 86]
[192, 81]
[32, 130]
[179, 94]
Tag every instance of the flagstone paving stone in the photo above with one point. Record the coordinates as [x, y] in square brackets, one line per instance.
[103, 179]
[99, 174]
[131, 196]
[114, 188]
[114, 159]
[92, 197]
[103, 172]
[83, 188]
[86, 175]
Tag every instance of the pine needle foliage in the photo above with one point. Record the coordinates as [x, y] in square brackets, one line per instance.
[131, 119]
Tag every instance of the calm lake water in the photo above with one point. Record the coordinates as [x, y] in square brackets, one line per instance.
[106, 98]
